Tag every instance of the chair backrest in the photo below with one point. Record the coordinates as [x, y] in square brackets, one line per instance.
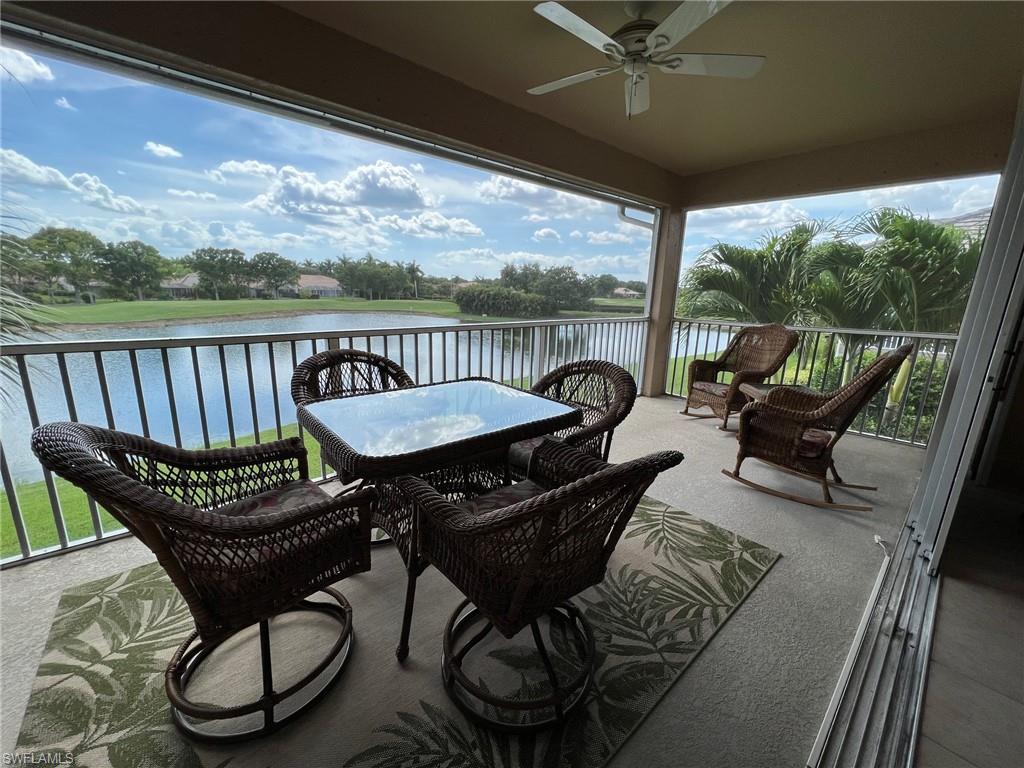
[605, 392]
[759, 348]
[555, 545]
[846, 402]
[339, 373]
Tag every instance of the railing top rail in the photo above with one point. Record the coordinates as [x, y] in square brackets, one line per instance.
[826, 329]
[111, 345]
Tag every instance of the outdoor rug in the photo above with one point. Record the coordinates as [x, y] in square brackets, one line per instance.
[98, 697]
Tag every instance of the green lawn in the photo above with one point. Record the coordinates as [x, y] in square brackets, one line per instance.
[636, 305]
[122, 312]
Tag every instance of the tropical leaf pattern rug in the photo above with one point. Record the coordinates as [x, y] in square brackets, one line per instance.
[672, 583]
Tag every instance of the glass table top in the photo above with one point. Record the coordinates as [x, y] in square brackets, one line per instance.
[409, 420]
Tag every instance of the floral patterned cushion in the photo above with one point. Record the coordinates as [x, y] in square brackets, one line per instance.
[503, 497]
[295, 494]
[813, 442]
[712, 387]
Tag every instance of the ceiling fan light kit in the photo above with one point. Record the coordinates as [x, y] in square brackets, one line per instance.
[642, 43]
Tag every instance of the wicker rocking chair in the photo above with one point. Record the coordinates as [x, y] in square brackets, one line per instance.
[605, 392]
[754, 354]
[796, 429]
[244, 536]
[520, 553]
[343, 373]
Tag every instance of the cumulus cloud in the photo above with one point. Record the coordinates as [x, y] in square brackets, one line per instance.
[379, 185]
[575, 234]
[63, 103]
[607, 238]
[191, 194]
[87, 188]
[431, 224]
[244, 168]
[546, 233]
[160, 150]
[489, 261]
[18, 65]
[542, 202]
[215, 176]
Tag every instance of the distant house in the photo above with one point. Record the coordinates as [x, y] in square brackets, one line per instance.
[973, 223]
[184, 287]
[320, 286]
[626, 293]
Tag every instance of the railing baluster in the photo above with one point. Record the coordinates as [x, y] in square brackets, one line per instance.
[101, 377]
[165, 360]
[252, 395]
[140, 398]
[51, 489]
[925, 391]
[906, 392]
[227, 394]
[272, 362]
[12, 504]
[69, 399]
[198, 379]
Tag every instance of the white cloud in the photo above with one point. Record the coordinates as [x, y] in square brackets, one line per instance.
[416, 167]
[489, 261]
[607, 238]
[244, 167]
[88, 188]
[575, 234]
[542, 202]
[431, 224]
[546, 233]
[63, 103]
[160, 150]
[535, 218]
[215, 176]
[380, 185]
[18, 65]
[192, 194]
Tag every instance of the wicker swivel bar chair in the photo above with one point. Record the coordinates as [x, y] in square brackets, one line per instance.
[754, 354]
[519, 554]
[605, 392]
[343, 373]
[796, 429]
[244, 536]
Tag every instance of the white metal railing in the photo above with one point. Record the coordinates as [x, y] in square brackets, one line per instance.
[231, 390]
[826, 358]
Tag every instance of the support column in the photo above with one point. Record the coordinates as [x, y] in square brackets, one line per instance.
[662, 289]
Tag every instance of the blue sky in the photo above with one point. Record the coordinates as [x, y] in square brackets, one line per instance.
[129, 160]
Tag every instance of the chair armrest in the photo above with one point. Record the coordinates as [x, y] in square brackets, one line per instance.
[360, 502]
[802, 399]
[555, 463]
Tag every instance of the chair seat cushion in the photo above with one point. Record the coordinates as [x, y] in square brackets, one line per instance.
[519, 453]
[503, 497]
[295, 494]
[712, 387]
[813, 442]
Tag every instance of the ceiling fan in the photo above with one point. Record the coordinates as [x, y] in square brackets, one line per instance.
[642, 43]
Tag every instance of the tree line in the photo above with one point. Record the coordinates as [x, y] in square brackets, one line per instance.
[56, 261]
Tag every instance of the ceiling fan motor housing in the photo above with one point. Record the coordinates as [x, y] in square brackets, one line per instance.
[633, 38]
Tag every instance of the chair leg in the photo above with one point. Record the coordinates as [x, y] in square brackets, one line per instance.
[832, 468]
[402, 652]
[549, 668]
[825, 492]
[268, 675]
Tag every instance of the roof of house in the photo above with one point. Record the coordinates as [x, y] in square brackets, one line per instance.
[973, 223]
[318, 281]
[191, 280]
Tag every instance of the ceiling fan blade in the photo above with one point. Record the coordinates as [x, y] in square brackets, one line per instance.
[565, 82]
[713, 64]
[638, 94]
[574, 25]
[682, 21]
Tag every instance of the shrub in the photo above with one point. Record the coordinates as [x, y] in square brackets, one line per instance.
[503, 302]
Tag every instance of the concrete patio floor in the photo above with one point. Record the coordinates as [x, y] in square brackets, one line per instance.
[756, 694]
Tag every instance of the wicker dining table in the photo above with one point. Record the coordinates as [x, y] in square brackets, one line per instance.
[455, 434]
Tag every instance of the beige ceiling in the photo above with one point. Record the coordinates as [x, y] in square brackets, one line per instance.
[837, 73]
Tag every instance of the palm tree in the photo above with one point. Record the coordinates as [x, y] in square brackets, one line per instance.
[20, 316]
[766, 284]
[924, 271]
